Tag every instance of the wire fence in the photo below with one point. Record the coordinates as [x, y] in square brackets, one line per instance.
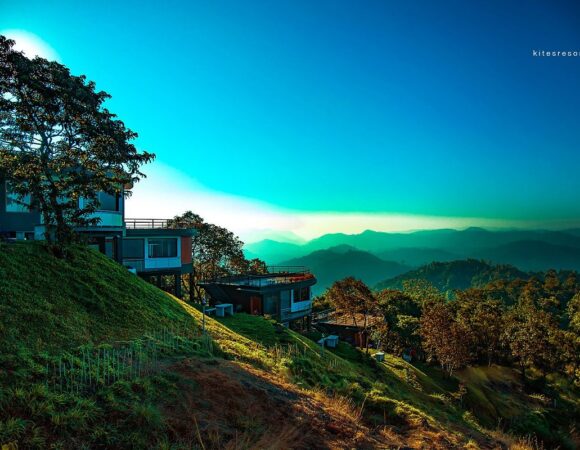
[279, 352]
[88, 368]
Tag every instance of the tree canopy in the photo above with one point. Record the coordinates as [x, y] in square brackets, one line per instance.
[527, 324]
[216, 251]
[59, 143]
[353, 298]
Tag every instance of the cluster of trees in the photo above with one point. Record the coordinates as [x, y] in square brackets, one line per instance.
[533, 323]
[216, 252]
[59, 143]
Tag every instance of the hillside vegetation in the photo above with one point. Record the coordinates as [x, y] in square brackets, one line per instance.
[460, 274]
[94, 357]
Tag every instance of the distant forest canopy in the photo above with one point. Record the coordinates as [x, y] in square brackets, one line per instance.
[464, 274]
[530, 324]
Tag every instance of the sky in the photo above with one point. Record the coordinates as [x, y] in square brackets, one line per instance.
[291, 119]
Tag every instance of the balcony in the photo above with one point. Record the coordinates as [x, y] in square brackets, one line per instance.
[277, 275]
[153, 224]
[158, 227]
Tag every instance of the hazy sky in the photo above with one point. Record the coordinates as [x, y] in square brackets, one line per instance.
[309, 117]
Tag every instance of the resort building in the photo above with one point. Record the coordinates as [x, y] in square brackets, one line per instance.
[159, 250]
[154, 250]
[284, 293]
[147, 247]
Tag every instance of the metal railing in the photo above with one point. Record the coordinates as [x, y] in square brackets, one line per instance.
[267, 279]
[149, 224]
[288, 269]
[146, 223]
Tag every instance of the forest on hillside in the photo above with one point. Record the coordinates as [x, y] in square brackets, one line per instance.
[531, 325]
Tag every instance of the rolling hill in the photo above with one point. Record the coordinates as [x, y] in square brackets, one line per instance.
[343, 261]
[534, 255]
[91, 356]
[416, 256]
[273, 252]
[452, 275]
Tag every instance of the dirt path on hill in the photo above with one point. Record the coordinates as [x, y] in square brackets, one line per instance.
[228, 405]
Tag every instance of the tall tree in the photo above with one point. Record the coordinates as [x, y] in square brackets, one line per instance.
[484, 320]
[444, 338]
[399, 331]
[353, 298]
[532, 336]
[58, 143]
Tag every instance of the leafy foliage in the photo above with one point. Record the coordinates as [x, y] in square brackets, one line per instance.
[216, 251]
[59, 144]
[353, 298]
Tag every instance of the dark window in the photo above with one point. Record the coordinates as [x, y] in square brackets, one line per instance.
[162, 248]
[271, 304]
[108, 202]
[301, 295]
[133, 248]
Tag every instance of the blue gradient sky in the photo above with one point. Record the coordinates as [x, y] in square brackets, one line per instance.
[343, 107]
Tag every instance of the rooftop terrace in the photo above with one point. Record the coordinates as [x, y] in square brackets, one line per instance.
[276, 275]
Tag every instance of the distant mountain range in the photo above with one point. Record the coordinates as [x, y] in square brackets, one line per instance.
[374, 256]
[452, 275]
[343, 261]
[528, 249]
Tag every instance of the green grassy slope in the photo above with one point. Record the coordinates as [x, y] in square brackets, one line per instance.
[50, 303]
[422, 404]
[52, 313]
[251, 384]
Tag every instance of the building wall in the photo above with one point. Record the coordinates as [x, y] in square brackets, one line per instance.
[15, 222]
[186, 250]
[20, 222]
[240, 300]
[300, 305]
[271, 304]
[147, 263]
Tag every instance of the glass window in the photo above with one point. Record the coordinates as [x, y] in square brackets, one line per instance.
[16, 203]
[162, 248]
[108, 202]
[133, 248]
[301, 295]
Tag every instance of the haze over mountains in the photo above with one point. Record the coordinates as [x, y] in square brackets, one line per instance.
[375, 256]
